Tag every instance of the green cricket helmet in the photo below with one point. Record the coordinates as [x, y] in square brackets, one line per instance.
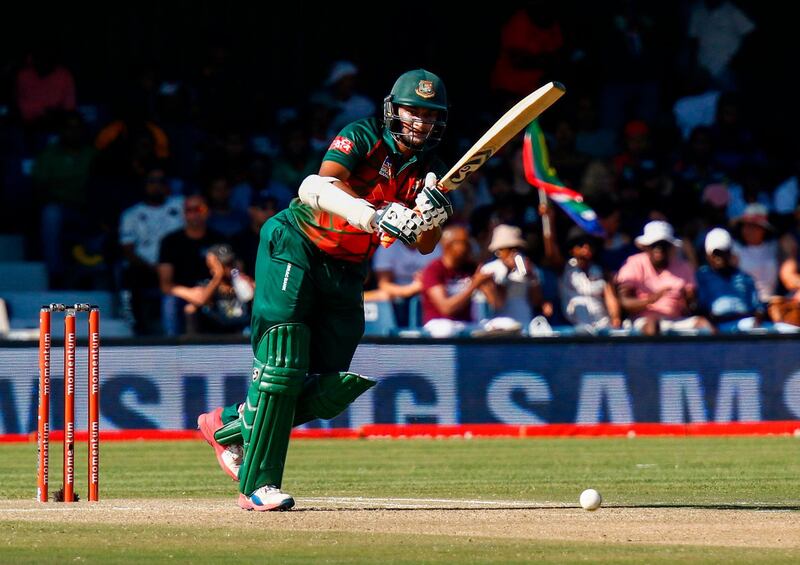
[416, 89]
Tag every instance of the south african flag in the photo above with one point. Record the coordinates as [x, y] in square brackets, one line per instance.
[542, 175]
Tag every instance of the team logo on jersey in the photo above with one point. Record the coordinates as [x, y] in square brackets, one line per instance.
[386, 169]
[425, 89]
[342, 144]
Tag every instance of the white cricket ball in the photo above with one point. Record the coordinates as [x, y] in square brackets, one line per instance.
[591, 499]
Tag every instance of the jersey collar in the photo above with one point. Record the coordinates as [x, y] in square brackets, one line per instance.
[395, 151]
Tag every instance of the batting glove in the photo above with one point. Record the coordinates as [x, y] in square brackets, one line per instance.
[399, 222]
[433, 204]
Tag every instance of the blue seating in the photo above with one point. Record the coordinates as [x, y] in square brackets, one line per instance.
[20, 275]
[380, 319]
[26, 304]
[415, 312]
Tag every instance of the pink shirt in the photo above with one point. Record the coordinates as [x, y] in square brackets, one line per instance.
[36, 95]
[638, 273]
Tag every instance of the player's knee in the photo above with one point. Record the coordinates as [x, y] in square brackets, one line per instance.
[282, 358]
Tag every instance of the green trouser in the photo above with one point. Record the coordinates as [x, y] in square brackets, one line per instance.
[298, 283]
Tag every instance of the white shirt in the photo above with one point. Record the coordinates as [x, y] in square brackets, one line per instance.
[761, 263]
[719, 34]
[402, 262]
[145, 226]
[517, 304]
[583, 295]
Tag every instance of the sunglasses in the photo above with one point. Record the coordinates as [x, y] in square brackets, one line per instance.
[663, 245]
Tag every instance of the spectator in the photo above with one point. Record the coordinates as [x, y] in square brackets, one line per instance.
[748, 188]
[60, 176]
[223, 217]
[587, 299]
[726, 294]
[519, 292]
[712, 214]
[126, 147]
[142, 227]
[222, 303]
[43, 87]
[448, 284]
[759, 254]
[131, 136]
[616, 246]
[657, 288]
[398, 274]
[182, 261]
[349, 104]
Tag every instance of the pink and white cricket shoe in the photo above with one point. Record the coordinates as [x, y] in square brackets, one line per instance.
[266, 498]
[229, 457]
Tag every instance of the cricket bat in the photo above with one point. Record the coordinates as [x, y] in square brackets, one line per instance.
[509, 125]
[512, 122]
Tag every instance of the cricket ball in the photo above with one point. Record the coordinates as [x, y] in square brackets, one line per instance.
[591, 499]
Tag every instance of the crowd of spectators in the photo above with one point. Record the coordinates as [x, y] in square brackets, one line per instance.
[159, 198]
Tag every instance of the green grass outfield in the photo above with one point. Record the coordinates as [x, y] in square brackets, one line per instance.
[761, 473]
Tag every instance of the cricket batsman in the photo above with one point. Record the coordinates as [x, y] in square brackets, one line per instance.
[377, 182]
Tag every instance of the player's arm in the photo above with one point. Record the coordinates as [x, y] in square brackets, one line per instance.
[340, 173]
[331, 193]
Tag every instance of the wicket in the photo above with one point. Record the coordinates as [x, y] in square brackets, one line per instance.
[93, 427]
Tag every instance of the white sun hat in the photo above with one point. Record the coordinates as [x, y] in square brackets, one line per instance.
[657, 231]
[506, 237]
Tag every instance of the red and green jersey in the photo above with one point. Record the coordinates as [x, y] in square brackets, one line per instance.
[378, 173]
